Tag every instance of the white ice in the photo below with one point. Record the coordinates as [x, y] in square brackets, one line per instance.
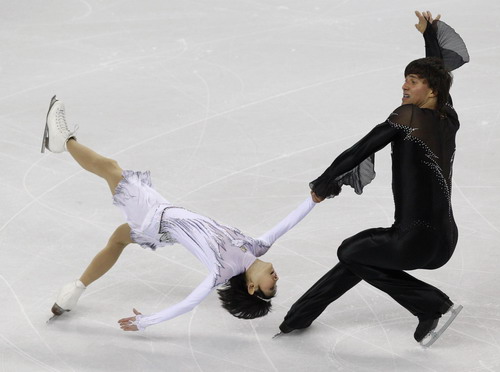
[234, 106]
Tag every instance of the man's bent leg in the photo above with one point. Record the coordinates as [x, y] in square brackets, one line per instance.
[326, 290]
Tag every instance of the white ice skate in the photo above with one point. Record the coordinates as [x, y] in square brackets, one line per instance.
[68, 297]
[433, 335]
[56, 132]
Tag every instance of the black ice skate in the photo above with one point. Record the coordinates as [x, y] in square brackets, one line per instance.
[426, 333]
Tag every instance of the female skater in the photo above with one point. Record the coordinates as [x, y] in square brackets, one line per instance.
[424, 234]
[230, 256]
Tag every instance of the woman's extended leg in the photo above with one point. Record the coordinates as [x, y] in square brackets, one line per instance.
[106, 258]
[102, 262]
[57, 138]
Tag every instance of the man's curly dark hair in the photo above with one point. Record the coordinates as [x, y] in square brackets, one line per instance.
[438, 78]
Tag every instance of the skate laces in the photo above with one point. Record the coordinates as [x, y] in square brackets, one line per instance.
[61, 119]
[62, 125]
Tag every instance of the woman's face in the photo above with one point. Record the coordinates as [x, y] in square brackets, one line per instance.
[417, 92]
[267, 279]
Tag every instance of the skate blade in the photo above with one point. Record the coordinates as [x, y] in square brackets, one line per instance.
[277, 335]
[45, 139]
[52, 318]
[434, 335]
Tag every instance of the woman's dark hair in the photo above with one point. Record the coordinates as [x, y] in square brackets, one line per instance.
[236, 299]
[437, 76]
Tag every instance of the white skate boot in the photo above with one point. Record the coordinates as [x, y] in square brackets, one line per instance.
[56, 132]
[68, 297]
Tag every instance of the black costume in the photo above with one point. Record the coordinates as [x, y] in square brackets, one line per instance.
[424, 234]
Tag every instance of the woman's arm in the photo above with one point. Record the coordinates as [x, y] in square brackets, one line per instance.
[140, 322]
[265, 241]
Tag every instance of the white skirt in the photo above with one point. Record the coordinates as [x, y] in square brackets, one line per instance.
[142, 206]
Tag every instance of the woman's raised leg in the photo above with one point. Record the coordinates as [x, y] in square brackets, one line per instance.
[93, 162]
[58, 138]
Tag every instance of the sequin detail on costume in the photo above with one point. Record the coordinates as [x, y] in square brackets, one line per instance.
[417, 223]
[432, 164]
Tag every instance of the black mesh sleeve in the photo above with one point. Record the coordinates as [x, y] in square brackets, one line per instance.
[443, 42]
[355, 167]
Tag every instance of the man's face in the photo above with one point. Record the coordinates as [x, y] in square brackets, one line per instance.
[417, 92]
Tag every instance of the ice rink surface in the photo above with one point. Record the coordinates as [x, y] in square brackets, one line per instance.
[234, 106]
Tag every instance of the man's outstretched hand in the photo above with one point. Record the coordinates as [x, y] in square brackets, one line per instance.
[423, 18]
